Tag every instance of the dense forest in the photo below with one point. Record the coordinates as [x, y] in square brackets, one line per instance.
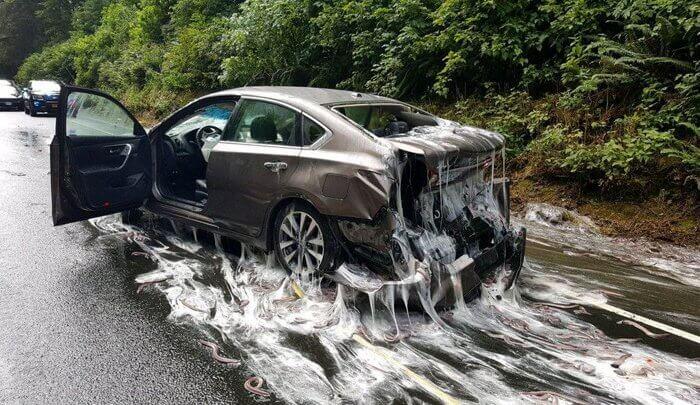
[603, 94]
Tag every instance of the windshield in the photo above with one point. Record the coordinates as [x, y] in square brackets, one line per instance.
[45, 85]
[215, 115]
[8, 91]
[386, 120]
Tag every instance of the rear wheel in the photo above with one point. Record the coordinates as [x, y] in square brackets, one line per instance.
[26, 110]
[303, 241]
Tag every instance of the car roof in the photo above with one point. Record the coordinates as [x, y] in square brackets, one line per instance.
[302, 95]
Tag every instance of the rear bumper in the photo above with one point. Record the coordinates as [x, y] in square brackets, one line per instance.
[507, 256]
[509, 251]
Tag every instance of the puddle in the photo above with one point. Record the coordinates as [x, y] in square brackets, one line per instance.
[490, 350]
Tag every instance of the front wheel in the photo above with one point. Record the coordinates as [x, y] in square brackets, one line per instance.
[303, 241]
[32, 111]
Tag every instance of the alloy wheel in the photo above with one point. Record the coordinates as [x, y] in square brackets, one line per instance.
[301, 243]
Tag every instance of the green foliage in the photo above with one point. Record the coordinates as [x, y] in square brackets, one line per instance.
[280, 55]
[55, 17]
[590, 90]
[18, 34]
[55, 62]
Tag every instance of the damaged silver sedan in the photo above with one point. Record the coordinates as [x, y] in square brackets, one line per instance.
[368, 191]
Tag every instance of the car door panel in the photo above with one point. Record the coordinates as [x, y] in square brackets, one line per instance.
[109, 172]
[100, 158]
[243, 182]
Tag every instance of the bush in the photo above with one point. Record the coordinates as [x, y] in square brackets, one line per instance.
[589, 90]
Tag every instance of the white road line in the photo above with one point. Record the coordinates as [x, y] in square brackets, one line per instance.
[650, 322]
[423, 382]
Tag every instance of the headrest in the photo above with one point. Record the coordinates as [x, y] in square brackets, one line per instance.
[263, 129]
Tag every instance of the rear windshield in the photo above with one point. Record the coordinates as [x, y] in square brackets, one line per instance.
[46, 86]
[386, 120]
[8, 91]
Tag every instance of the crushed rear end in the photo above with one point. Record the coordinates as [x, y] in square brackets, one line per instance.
[447, 229]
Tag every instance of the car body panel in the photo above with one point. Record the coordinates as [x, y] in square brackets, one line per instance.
[93, 174]
[440, 143]
[341, 183]
[241, 187]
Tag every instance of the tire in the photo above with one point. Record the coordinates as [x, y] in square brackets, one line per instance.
[26, 111]
[131, 217]
[320, 248]
[32, 112]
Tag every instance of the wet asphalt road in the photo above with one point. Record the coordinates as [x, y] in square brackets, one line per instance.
[72, 328]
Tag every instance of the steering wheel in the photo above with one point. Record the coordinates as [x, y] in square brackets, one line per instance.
[206, 132]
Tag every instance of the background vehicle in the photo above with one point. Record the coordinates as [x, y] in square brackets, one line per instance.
[10, 98]
[321, 177]
[5, 82]
[41, 96]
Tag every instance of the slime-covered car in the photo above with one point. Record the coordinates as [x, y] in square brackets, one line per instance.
[365, 190]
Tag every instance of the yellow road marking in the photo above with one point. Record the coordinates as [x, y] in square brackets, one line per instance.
[423, 382]
[650, 322]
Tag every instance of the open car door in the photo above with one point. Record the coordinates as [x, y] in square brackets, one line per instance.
[100, 158]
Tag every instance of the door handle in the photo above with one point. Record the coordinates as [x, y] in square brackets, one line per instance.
[119, 149]
[275, 167]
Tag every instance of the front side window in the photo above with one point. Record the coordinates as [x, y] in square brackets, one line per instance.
[264, 123]
[92, 115]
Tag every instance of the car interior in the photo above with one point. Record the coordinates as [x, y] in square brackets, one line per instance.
[183, 152]
[386, 120]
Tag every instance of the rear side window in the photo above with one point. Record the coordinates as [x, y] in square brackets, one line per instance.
[311, 132]
[265, 123]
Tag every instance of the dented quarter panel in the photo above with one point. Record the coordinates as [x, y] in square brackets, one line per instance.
[368, 184]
